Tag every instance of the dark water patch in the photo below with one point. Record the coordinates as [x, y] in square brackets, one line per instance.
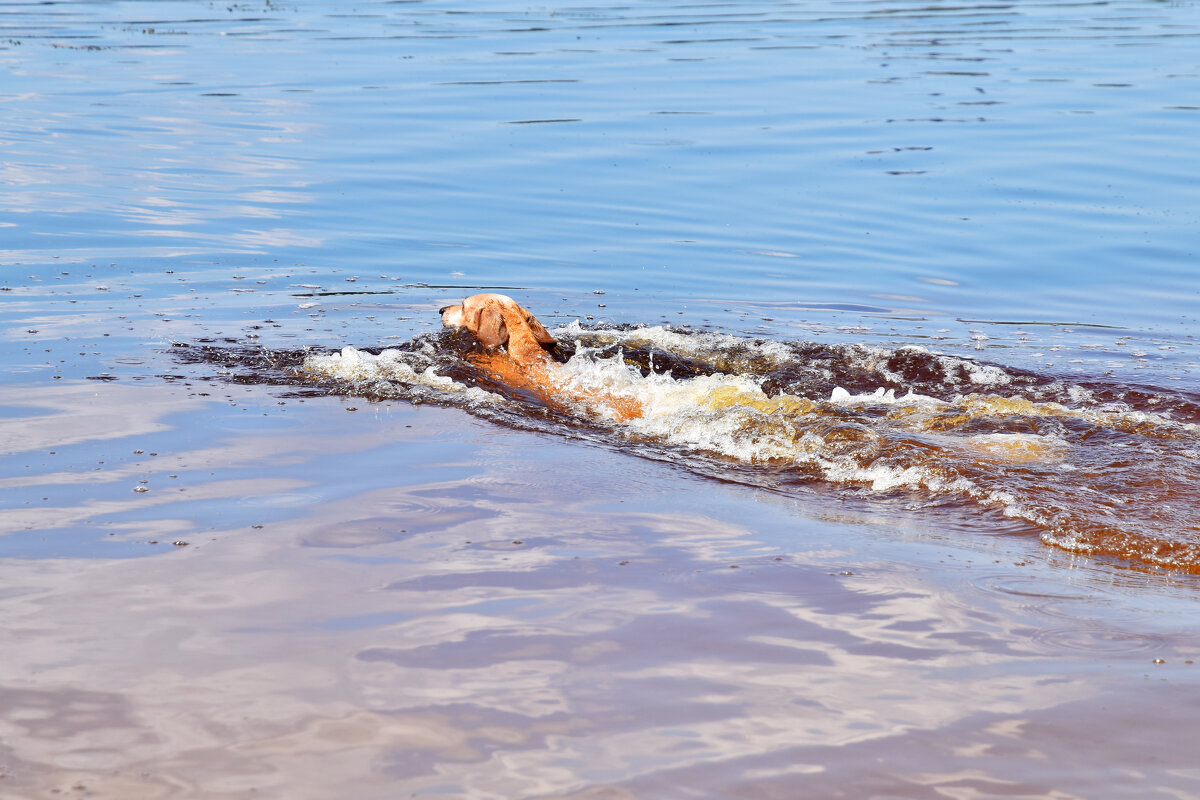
[809, 369]
[513, 82]
[1040, 323]
[542, 121]
[347, 293]
[1096, 467]
[236, 362]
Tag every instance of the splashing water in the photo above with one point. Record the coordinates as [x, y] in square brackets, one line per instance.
[1101, 469]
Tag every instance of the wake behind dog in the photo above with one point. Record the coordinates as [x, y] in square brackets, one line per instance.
[937, 429]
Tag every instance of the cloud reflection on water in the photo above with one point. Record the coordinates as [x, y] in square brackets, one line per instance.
[489, 588]
[489, 634]
[192, 167]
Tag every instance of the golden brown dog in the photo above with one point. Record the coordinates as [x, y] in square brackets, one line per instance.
[515, 353]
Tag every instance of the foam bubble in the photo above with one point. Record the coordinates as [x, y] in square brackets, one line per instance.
[391, 367]
[840, 396]
[723, 351]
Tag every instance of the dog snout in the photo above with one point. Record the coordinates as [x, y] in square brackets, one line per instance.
[452, 316]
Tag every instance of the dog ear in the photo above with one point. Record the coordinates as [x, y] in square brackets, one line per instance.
[490, 328]
[537, 330]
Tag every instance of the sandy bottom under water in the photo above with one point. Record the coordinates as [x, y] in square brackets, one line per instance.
[408, 601]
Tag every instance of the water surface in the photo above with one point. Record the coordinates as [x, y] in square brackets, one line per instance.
[219, 578]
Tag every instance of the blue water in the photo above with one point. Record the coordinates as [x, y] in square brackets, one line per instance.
[210, 586]
[898, 168]
[1015, 183]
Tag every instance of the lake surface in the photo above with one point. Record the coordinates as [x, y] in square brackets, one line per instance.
[220, 575]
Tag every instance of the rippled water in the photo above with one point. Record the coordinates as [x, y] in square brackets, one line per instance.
[777, 582]
[1100, 469]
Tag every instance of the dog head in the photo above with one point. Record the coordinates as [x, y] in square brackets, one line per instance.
[496, 320]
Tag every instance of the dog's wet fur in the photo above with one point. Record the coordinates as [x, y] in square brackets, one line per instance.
[515, 352]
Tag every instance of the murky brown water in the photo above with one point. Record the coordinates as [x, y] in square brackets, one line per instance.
[1097, 467]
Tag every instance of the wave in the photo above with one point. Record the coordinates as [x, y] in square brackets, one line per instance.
[1098, 468]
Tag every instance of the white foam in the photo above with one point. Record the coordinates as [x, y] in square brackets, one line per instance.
[841, 397]
[1080, 395]
[391, 367]
[986, 374]
[885, 439]
[721, 348]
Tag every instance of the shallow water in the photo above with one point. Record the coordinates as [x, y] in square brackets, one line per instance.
[214, 578]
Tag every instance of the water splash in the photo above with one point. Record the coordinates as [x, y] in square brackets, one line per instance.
[1103, 469]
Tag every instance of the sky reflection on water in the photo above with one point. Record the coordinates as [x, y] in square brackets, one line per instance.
[494, 631]
[1033, 160]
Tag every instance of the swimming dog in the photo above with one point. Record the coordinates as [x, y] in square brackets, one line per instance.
[516, 352]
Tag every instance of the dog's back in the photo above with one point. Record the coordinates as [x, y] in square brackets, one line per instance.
[515, 354]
